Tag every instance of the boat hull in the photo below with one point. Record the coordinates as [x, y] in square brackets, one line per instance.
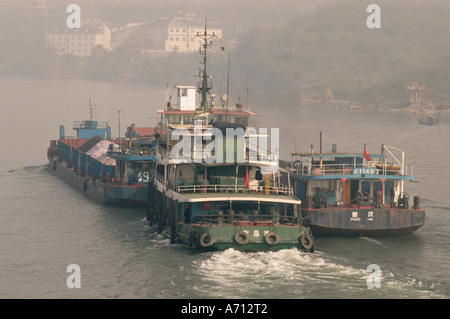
[133, 195]
[247, 237]
[373, 222]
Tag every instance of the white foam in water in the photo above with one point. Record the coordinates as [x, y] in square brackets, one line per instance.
[291, 273]
[287, 273]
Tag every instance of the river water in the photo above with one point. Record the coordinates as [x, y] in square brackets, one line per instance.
[45, 225]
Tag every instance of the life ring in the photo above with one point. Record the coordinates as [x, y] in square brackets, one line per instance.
[307, 241]
[298, 164]
[241, 190]
[206, 240]
[193, 239]
[241, 238]
[272, 238]
[229, 190]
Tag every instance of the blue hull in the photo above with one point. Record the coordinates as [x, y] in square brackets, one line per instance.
[135, 194]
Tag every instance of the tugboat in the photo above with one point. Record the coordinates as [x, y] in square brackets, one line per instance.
[356, 194]
[212, 200]
[108, 171]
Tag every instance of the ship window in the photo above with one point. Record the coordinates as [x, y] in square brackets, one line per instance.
[377, 186]
[365, 189]
[175, 119]
[188, 120]
[242, 120]
[136, 165]
[388, 191]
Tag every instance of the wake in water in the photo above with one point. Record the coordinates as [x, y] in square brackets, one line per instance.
[371, 240]
[290, 274]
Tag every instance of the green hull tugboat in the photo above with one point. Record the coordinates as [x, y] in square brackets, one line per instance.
[243, 227]
[222, 194]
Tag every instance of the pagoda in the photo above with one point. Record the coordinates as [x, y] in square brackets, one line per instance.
[415, 97]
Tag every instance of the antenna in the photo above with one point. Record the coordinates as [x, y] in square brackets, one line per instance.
[228, 84]
[91, 110]
[118, 122]
[295, 142]
[204, 85]
[248, 106]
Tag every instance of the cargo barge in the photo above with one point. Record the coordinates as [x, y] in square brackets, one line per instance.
[348, 194]
[106, 170]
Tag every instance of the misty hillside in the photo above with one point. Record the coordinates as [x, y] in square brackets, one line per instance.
[298, 49]
[332, 54]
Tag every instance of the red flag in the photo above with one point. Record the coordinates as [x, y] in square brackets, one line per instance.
[247, 181]
[366, 154]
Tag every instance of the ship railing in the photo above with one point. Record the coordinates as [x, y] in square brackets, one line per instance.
[243, 219]
[219, 188]
[347, 169]
[159, 178]
[251, 154]
[161, 150]
[90, 124]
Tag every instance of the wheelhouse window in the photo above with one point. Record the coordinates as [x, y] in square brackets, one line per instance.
[188, 120]
[175, 119]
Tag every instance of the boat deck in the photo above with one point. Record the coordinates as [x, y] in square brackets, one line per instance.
[257, 197]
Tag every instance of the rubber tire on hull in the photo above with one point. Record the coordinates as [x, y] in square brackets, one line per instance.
[307, 242]
[206, 240]
[241, 238]
[272, 238]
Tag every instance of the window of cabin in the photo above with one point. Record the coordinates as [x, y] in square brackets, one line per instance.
[188, 120]
[175, 119]
[365, 188]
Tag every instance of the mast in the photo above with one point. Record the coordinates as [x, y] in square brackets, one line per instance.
[91, 110]
[204, 89]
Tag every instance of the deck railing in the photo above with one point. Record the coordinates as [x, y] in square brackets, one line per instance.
[241, 219]
[347, 169]
[279, 189]
[251, 154]
[218, 188]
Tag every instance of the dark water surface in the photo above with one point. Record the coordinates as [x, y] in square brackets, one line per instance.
[45, 225]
